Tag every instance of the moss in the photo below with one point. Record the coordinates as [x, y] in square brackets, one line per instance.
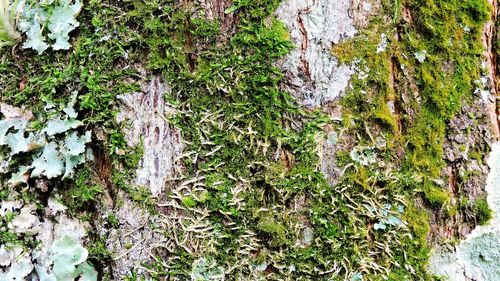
[273, 229]
[446, 77]
[113, 220]
[435, 195]
[482, 210]
[418, 221]
[384, 117]
[7, 237]
[82, 193]
[98, 252]
[189, 202]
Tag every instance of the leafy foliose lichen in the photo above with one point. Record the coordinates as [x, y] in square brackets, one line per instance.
[69, 262]
[66, 260]
[55, 150]
[48, 23]
[206, 269]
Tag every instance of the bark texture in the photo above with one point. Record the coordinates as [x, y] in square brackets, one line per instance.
[145, 113]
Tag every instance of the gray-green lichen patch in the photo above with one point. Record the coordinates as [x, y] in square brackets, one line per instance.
[26, 222]
[478, 256]
[48, 23]
[444, 262]
[206, 269]
[58, 254]
[38, 242]
[55, 150]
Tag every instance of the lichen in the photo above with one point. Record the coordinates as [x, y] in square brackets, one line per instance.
[54, 20]
[206, 269]
[56, 158]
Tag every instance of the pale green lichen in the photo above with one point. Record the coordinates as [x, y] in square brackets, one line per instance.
[57, 126]
[49, 163]
[19, 269]
[67, 260]
[206, 269]
[481, 255]
[421, 56]
[58, 156]
[387, 216]
[58, 254]
[363, 155]
[26, 222]
[59, 17]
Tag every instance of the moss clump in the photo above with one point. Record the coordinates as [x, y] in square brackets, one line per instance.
[82, 193]
[482, 210]
[445, 78]
[273, 229]
[189, 202]
[418, 221]
[435, 195]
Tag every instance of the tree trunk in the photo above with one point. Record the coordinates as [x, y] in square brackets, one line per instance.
[374, 138]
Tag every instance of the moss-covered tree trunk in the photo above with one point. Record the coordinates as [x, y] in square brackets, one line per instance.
[270, 140]
[318, 80]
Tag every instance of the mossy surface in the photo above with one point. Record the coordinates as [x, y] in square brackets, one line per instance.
[255, 194]
[409, 92]
[481, 209]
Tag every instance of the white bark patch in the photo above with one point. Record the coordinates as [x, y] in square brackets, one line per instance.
[313, 75]
[147, 112]
[134, 241]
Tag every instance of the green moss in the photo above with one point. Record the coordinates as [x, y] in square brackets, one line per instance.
[189, 202]
[7, 237]
[384, 117]
[98, 252]
[435, 195]
[113, 220]
[82, 193]
[418, 221]
[273, 229]
[481, 210]
[443, 88]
